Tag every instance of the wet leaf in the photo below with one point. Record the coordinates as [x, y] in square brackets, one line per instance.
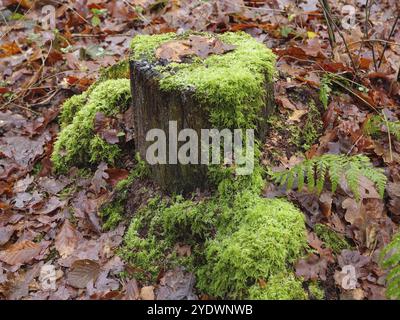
[82, 272]
[20, 253]
[67, 239]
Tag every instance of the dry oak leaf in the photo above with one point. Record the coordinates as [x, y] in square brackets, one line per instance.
[67, 239]
[20, 253]
[147, 293]
[200, 46]
[82, 272]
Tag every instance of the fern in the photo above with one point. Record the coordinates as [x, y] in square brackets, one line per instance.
[316, 171]
[390, 260]
[373, 126]
[325, 90]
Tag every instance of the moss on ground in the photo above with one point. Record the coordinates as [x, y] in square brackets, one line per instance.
[270, 236]
[316, 292]
[70, 108]
[236, 237]
[331, 238]
[281, 286]
[77, 143]
[300, 136]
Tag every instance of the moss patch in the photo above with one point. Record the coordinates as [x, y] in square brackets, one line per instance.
[316, 292]
[236, 237]
[70, 108]
[232, 83]
[271, 235]
[282, 286]
[78, 144]
[331, 238]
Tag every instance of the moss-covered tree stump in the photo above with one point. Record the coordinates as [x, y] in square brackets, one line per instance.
[201, 81]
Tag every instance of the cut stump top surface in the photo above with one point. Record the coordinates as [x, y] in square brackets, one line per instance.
[228, 72]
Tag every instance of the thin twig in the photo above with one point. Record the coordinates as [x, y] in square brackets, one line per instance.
[331, 33]
[353, 93]
[390, 35]
[328, 14]
[389, 137]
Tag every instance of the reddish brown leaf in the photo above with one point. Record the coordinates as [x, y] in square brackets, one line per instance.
[9, 49]
[66, 239]
[115, 175]
[20, 253]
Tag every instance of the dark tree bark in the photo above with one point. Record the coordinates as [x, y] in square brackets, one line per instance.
[154, 108]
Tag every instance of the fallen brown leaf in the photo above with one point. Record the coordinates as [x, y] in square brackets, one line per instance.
[20, 253]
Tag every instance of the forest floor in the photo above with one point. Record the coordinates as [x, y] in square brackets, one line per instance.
[49, 219]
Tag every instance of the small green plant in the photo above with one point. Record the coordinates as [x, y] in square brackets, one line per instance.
[331, 238]
[325, 90]
[316, 170]
[330, 79]
[97, 14]
[375, 124]
[390, 260]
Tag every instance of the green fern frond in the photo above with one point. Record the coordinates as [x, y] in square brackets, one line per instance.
[310, 175]
[352, 175]
[290, 179]
[390, 260]
[325, 90]
[322, 168]
[336, 167]
[300, 178]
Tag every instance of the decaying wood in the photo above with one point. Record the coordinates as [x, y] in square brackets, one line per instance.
[155, 108]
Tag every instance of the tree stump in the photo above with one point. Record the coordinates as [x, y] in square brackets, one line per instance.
[198, 81]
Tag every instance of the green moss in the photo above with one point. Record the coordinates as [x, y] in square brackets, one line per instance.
[120, 70]
[188, 220]
[282, 286]
[146, 244]
[316, 292]
[144, 46]
[237, 237]
[302, 135]
[77, 144]
[331, 238]
[271, 236]
[233, 84]
[70, 107]
[112, 214]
